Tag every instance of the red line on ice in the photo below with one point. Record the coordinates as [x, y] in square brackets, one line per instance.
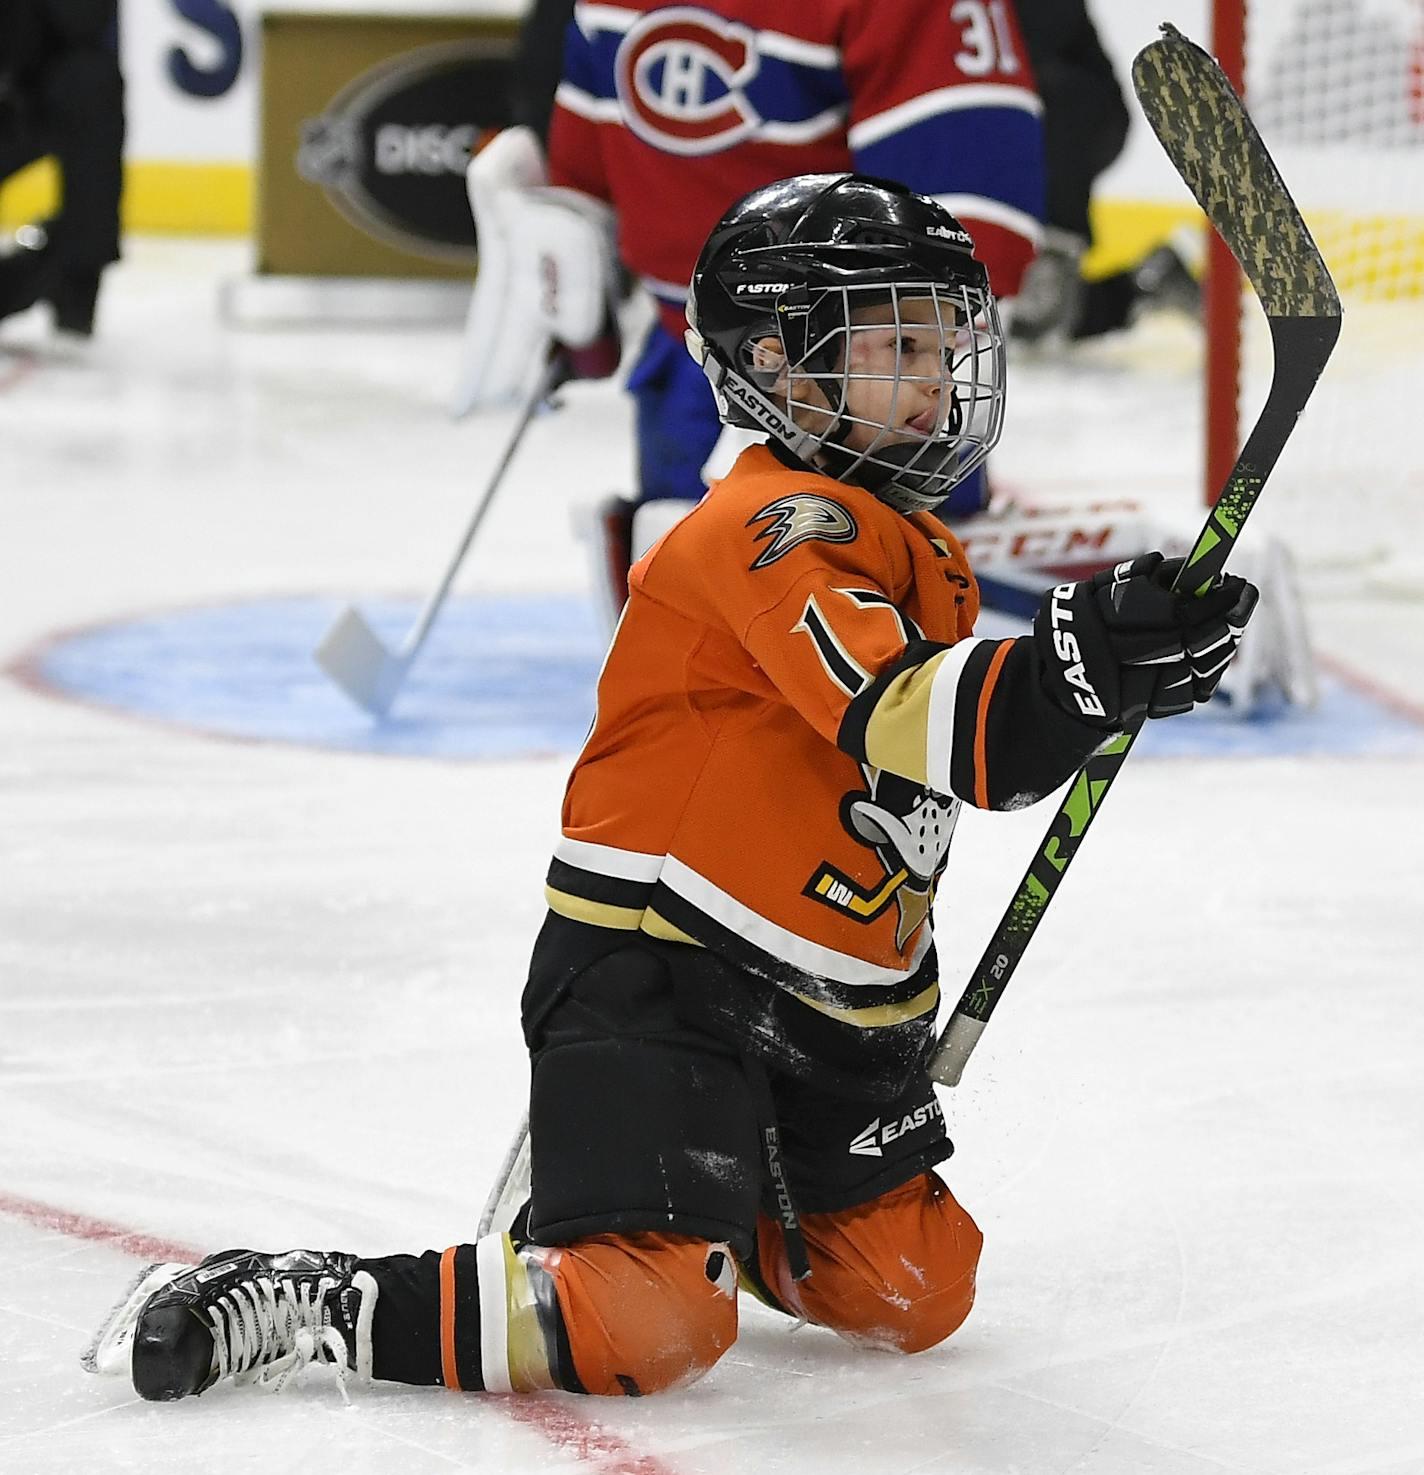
[82, 1226]
[601, 1448]
[1367, 685]
[19, 367]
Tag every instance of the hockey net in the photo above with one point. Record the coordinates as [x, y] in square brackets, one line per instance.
[1337, 91]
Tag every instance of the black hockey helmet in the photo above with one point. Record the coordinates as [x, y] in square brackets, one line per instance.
[800, 262]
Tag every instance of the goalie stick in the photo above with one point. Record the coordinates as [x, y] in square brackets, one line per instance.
[1206, 132]
[353, 655]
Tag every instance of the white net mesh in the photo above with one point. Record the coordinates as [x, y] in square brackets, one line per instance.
[1336, 88]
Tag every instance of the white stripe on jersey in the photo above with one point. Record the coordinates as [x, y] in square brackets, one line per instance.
[803, 53]
[586, 105]
[807, 131]
[811, 957]
[943, 100]
[592, 18]
[609, 860]
[944, 698]
[815, 54]
[610, 110]
[673, 291]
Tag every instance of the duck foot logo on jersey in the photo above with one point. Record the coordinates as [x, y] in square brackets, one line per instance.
[909, 829]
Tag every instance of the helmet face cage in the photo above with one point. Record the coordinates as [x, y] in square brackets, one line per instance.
[890, 364]
[898, 388]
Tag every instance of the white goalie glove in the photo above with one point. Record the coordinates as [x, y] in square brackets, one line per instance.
[547, 273]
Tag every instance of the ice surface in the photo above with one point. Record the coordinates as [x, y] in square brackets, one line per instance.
[256, 993]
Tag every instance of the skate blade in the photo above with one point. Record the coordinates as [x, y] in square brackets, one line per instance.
[110, 1351]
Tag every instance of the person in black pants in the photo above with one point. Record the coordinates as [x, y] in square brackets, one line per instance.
[539, 63]
[62, 95]
[1085, 121]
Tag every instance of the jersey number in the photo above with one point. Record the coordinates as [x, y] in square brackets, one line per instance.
[987, 39]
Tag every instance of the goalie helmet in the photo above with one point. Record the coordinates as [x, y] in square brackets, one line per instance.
[786, 280]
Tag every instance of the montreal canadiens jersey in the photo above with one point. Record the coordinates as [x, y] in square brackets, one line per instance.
[671, 113]
[792, 712]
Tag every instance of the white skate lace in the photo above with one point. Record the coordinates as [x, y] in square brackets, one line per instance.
[267, 1332]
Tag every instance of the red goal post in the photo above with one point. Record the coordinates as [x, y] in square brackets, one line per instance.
[1337, 91]
[1221, 285]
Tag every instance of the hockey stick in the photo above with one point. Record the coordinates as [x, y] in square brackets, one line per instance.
[353, 655]
[511, 1184]
[1205, 130]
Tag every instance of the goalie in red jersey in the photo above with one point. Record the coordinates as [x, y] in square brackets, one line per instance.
[663, 114]
[732, 1001]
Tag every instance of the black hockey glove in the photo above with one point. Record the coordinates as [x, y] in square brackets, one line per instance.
[1122, 644]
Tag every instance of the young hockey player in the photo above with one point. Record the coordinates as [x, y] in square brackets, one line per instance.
[732, 1001]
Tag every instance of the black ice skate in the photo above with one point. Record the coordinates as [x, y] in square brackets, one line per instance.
[255, 1318]
[1163, 279]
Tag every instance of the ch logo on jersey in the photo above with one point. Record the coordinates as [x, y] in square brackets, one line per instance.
[682, 75]
[803, 517]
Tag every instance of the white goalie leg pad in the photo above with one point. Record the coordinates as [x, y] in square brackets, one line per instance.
[1274, 661]
[547, 272]
[1295, 663]
[1062, 542]
[1274, 664]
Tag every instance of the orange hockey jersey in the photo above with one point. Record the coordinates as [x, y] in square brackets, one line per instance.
[792, 711]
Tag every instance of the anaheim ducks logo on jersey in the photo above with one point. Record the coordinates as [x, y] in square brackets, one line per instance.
[909, 828]
[803, 517]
